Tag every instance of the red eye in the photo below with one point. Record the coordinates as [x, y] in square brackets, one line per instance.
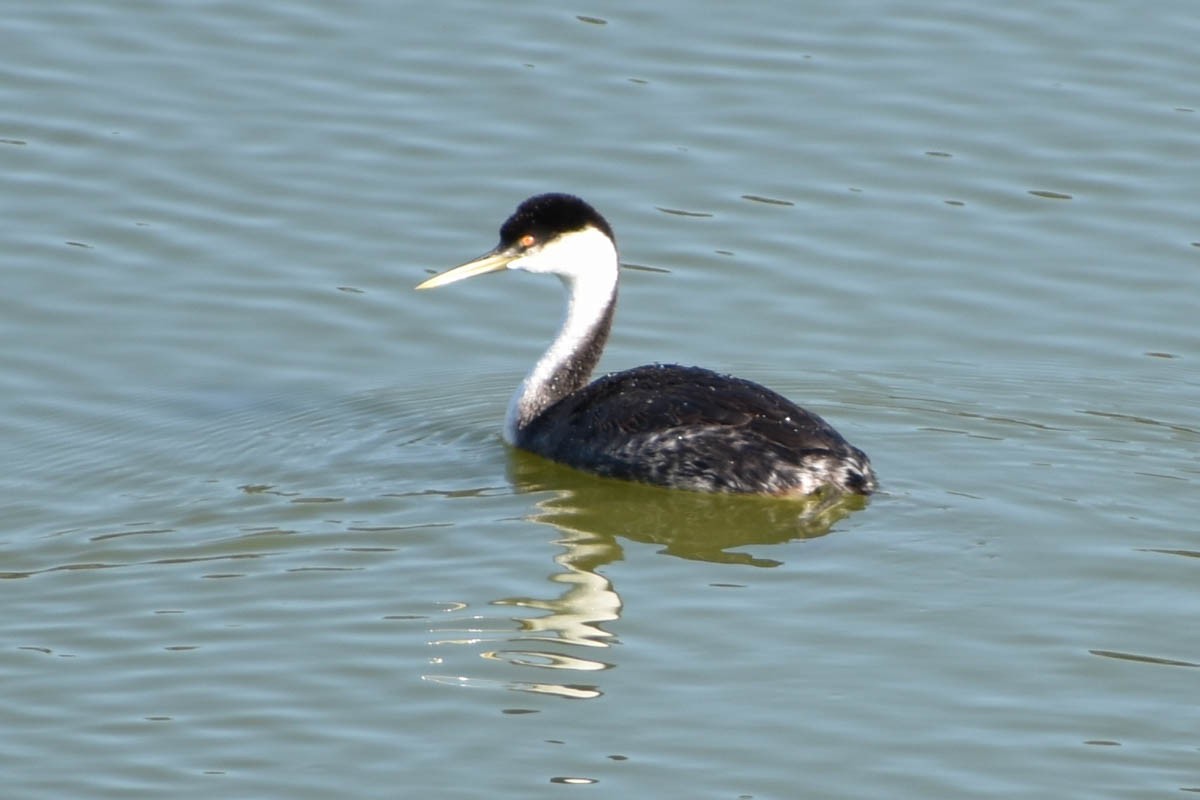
[527, 241]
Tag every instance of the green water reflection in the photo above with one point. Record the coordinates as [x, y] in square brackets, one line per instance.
[692, 525]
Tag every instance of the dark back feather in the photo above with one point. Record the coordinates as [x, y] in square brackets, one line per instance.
[684, 425]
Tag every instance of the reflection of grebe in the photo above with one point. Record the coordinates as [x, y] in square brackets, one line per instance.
[680, 427]
[576, 617]
[720, 528]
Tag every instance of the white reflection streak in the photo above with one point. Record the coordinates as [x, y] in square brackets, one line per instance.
[588, 602]
[574, 618]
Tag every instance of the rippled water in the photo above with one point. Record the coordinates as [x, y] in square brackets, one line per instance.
[263, 539]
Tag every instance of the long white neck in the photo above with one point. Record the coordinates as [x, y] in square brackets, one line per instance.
[586, 262]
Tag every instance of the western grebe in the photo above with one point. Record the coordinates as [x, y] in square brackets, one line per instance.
[680, 427]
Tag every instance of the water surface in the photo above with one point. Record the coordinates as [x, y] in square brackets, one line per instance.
[263, 538]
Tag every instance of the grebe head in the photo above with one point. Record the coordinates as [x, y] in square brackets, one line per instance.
[557, 234]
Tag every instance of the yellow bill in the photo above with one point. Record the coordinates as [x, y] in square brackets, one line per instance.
[494, 261]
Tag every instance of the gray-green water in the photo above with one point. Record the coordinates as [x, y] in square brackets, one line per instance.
[262, 538]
